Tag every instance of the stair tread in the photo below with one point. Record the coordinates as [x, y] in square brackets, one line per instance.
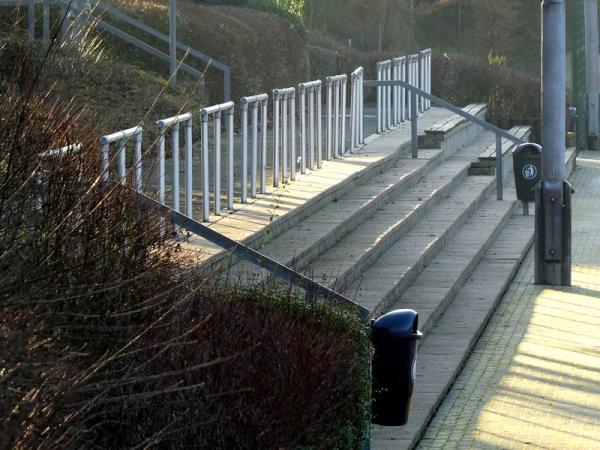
[314, 229]
[377, 282]
[446, 346]
[448, 271]
[399, 210]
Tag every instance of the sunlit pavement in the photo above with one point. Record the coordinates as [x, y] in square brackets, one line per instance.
[533, 380]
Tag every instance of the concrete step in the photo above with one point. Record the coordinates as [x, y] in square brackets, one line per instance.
[447, 345]
[327, 226]
[454, 131]
[272, 214]
[439, 281]
[351, 256]
[383, 283]
[455, 297]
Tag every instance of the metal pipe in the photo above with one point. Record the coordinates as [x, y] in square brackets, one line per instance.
[122, 163]
[175, 158]
[553, 90]
[302, 129]
[329, 118]
[104, 152]
[499, 167]
[293, 136]
[311, 129]
[336, 119]
[189, 187]
[253, 175]
[205, 171]
[244, 107]
[137, 163]
[217, 181]
[276, 100]
[230, 151]
[264, 135]
[284, 139]
[173, 42]
[344, 88]
[379, 99]
[414, 131]
[319, 126]
[161, 169]
[388, 96]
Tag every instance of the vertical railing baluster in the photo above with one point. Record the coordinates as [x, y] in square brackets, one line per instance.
[175, 158]
[293, 136]
[244, 108]
[264, 135]
[311, 129]
[344, 87]
[230, 153]
[276, 113]
[302, 90]
[205, 170]
[318, 87]
[284, 139]
[253, 174]
[217, 174]
[189, 179]
[137, 163]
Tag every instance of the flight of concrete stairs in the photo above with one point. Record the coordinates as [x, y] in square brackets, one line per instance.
[426, 234]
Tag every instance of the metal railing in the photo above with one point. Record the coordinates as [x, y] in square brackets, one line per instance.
[96, 12]
[122, 138]
[357, 109]
[425, 77]
[336, 115]
[173, 125]
[312, 288]
[215, 112]
[384, 97]
[399, 93]
[284, 117]
[254, 103]
[415, 92]
[412, 77]
[311, 125]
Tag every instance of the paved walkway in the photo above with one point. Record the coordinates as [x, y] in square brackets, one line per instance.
[533, 380]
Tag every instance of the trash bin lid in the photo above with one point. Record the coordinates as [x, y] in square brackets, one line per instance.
[531, 146]
[398, 322]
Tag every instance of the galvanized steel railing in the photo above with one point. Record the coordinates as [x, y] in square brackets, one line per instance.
[122, 138]
[173, 125]
[284, 110]
[215, 112]
[336, 115]
[399, 93]
[357, 109]
[254, 103]
[425, 78]
[97, 12]
[384, 97]
[412, 77]
[311, 125]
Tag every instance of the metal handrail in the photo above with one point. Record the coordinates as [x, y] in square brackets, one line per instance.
[119, 15]
[311, 287]
[415, 91]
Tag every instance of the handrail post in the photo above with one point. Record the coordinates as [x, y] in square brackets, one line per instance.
[344, 87]
[293, 136]
[254, 168]
[276, 118]
[499, 167]
[205, 170]
[217, 173]
[175, 157]
[413, 124]
[244, 107]
[230, 151]
[173, 42]
[264, 135]
[379, 99]
[319, 126]
[189, 145]
[302, 129]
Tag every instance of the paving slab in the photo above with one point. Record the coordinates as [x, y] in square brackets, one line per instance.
[533, 379]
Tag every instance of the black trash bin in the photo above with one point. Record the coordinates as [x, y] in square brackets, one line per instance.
[527, 164]
[395, 336]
